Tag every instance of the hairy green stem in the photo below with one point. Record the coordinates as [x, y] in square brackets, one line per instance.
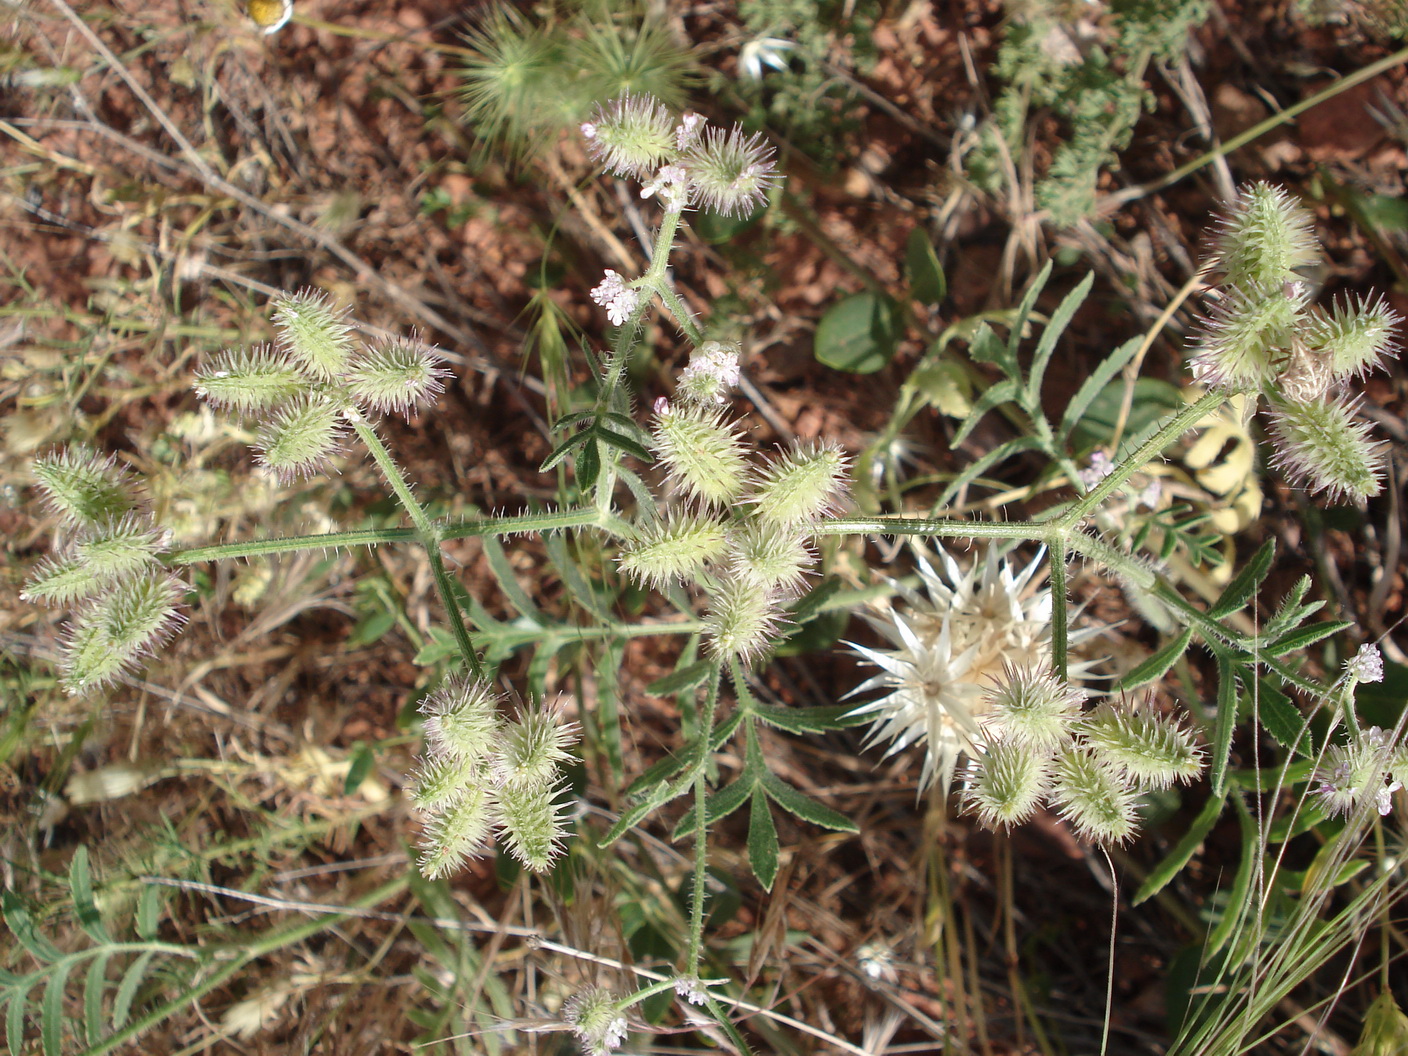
[700, 891]
[429, 538]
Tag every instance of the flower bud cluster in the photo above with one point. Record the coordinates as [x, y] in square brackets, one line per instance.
[109, 568]
[594, 1014]
[484, 776]
[1265, 336]
[314, 379]
[739, 529]
[682, 161]
[1042, 750]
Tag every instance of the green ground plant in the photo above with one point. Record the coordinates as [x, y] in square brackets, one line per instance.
[985, 666]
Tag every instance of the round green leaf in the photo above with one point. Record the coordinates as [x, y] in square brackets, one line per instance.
[859, 334]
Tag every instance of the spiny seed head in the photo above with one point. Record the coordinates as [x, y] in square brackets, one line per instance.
[82, 487]
[128, 622]
[773, 558]
[1355, 338]
[803, 484]
[61, 581]
[1092, 798]
[1152, 751]
[1007, 783]
[1265, 236]
[533, 745]
[397, 378]
[730, 173]
[458, 833]
[595, 1017]
[248, 382]
[1323, 446]
[631, 135]
[119, 548]
[314, 333]
[1247, 336]
[301, 439]
[712, 371]
[533, 823]
[1033, 707]
[462, 721]
[702, 454]
[443, 780]
[675, 548]
[742, 621]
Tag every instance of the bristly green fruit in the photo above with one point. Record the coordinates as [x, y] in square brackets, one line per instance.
[631, 136]
[742, 621]
[314, 333]
[301, 439]
[1245, 341]
[533, 746]
[459, 833]
[82, 487]
[247, 382]
[1265, 238]
[803, 484]
[703, 454]
[1035, 708]
[1151, 750]
[533, 823]
[462, 721]
[1007, 784]
[1354, 339]
[120, 548]
[119, 628]
[1322, 445]
[774, 558]
[674, 549]
[1092, 799]
[397, 378]
[731, 173]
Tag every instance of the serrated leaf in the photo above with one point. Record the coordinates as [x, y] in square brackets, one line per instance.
[1156, 666]
[128, 987]
[986, 347]
[563, 449]
[149, 912]
[858, 334]
[926, 275]
[51, 1009]
[1051, 333]
[804, 807]
[679, 681]
[626, 444]
[718, 805]
[14, 1019]
[1245, 583]
[1279, 715]
[1182, 852]
[85, 907]
[21, 922]
[1024, 312]
[93, 986]
[762, 841]
[1226, 723]
[1294, 641]
[1004, 391]
[1094, 384]
[803, 720]
[588, 465]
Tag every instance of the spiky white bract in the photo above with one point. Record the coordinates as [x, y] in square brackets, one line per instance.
[1092, 799]
[1265, 236]
[249, 381]
[1032, 707]
[533, 823]
[1246, 339]
[1354, 339]
[802, 484]
[775, 558]
[1009, 785]
[675, 548]
[301, 439]
[117, 629]
[742, 621]
[952, 644]
[462, 721]
[731, 173]
[83, 487]
[459, 832]
[1153, 751]
[314, 333]
[702, 454]
[631, 135]
[1322, 445]
[397, 378]
[533, 745]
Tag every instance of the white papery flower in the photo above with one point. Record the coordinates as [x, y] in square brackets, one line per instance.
[956, 640]
[616, 297]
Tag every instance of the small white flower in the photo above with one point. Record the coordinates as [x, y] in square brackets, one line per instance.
[687, 129]
[687, 988]
[616, 297]
[671, 183]
[713, 369]
[1383, 798]
[1100, 467]
[1367, 665]
[765, 51]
